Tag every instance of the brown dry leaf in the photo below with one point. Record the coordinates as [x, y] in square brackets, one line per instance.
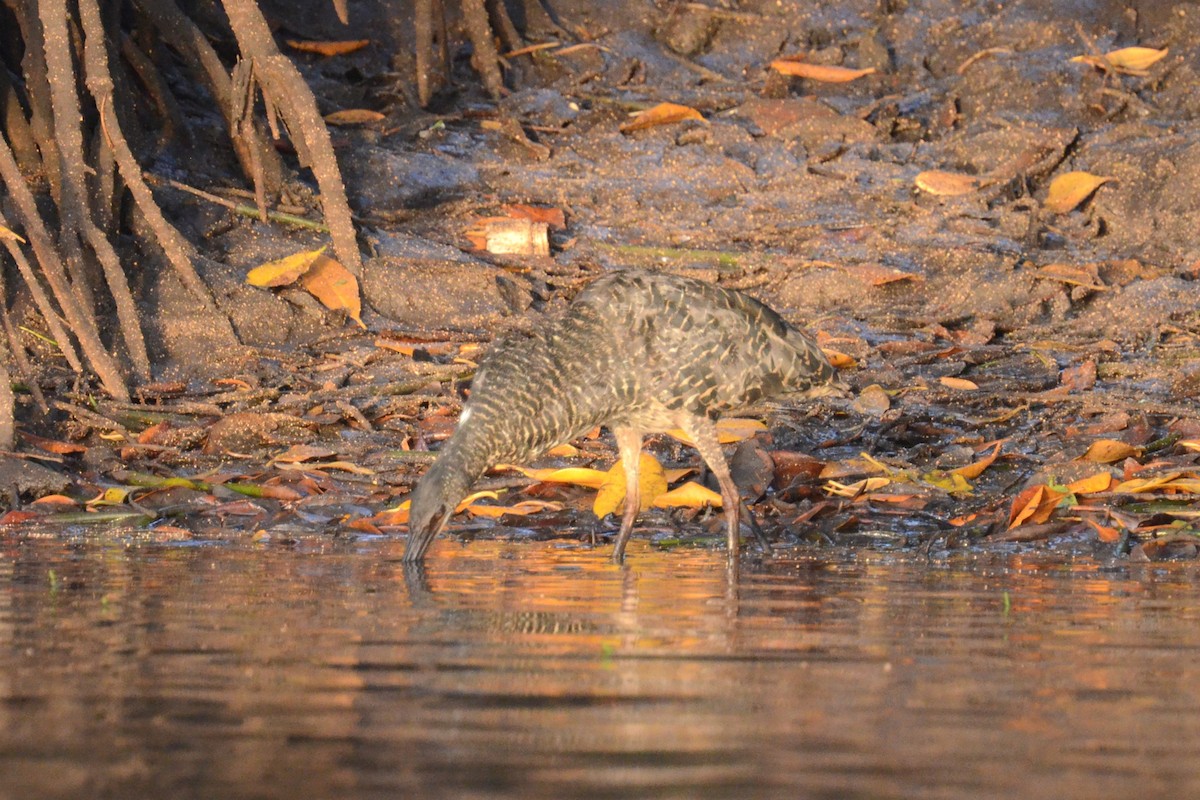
[1104, 532]
[958, 383]
[576, 476]
[1070, 189]
[283, 271]
[335, 286]
[661, 114]
[947, 184]
[302, 452]
[651, 481]
[6, 233]
[1086, 276]
[510, 236]
[354, 116]
[52, 445]
[344, 466]
[792, 67]
[975, 469]
[1109, 451]
[1134, 60]
[878, 275]
[689, 495]
[553, 217]
[1080, 377]
[790, 465]
[1100, 482]
[334, 48]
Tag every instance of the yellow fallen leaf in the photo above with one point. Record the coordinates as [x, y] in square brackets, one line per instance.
[5, 233]
[1071, 189]
[471, 498]
[689, 495]
[344, 466]
[729, 430]
[1035, 505]
[661, 114]
[951, 482]
[335, 287]
[563, 450]
[947, 184]
[958, 383]
[1141, 485]
[283, 271]
[1190, 444]
[818, 72]
[335, 48]
[678, 473]
[1108, 451]
[856, 488]
[577, 476]
[1133, 60]
[651, 482]
[1100, 482]
[354, 116]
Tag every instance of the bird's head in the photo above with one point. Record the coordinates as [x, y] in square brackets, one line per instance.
[432, 505]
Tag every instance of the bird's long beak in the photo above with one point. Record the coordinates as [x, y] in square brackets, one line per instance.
[420, 537]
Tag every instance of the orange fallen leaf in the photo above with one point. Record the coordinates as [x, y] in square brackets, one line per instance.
[522, 509]
[354, 116]
[947, 184]
[1100, 482]
[6, 233]
[856, 488]
[332, 48]
[1142, 485]
[795, 68]
[974, 470]
[553, 217]
[961, 384]
[651, 482]
[689, 495]
[1108, 451]
[17, 517]
[839, 359]
[563, 450]
[54, 500]
[878, 275]
[392, 516]
[1070, 189]
[1103, 532]
[661, 114]
[1035, 505]
[283, 271]
[335, 286]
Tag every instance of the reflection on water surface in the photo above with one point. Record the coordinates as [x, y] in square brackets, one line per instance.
[541, 670]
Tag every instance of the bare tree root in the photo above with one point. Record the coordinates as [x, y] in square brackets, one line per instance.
[284, 89]
[486, 59]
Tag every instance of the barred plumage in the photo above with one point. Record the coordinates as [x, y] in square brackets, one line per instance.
[639, 352]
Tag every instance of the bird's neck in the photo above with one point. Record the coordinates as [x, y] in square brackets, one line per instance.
[464, 458]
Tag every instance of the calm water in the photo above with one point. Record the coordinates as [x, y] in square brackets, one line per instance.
[541, 671]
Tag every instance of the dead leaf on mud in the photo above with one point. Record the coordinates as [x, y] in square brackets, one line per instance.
[6, 233]
[554, 217]
[872, 401]
[303, 452]
[962, 384]
[1093, 484]
[1130, 60]
[1070, 189]
[578, 476]
[689, 495]
[1034, 506]
[1087, 276]
[651, 481]
[521, 509]
[974, 470]
[283, 271]
[1109, 451]
[1103, 532]
[335, 286]
[878, 274]
[354, 116]
[1080, 377]
[328, 48]
[796, 67]
[857, 488]
[519, 236]
[947, 184]
[839, 359]
[729, 430]
[661, 114]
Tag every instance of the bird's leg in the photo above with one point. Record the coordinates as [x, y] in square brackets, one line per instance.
[704, 433]
[629, 445]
